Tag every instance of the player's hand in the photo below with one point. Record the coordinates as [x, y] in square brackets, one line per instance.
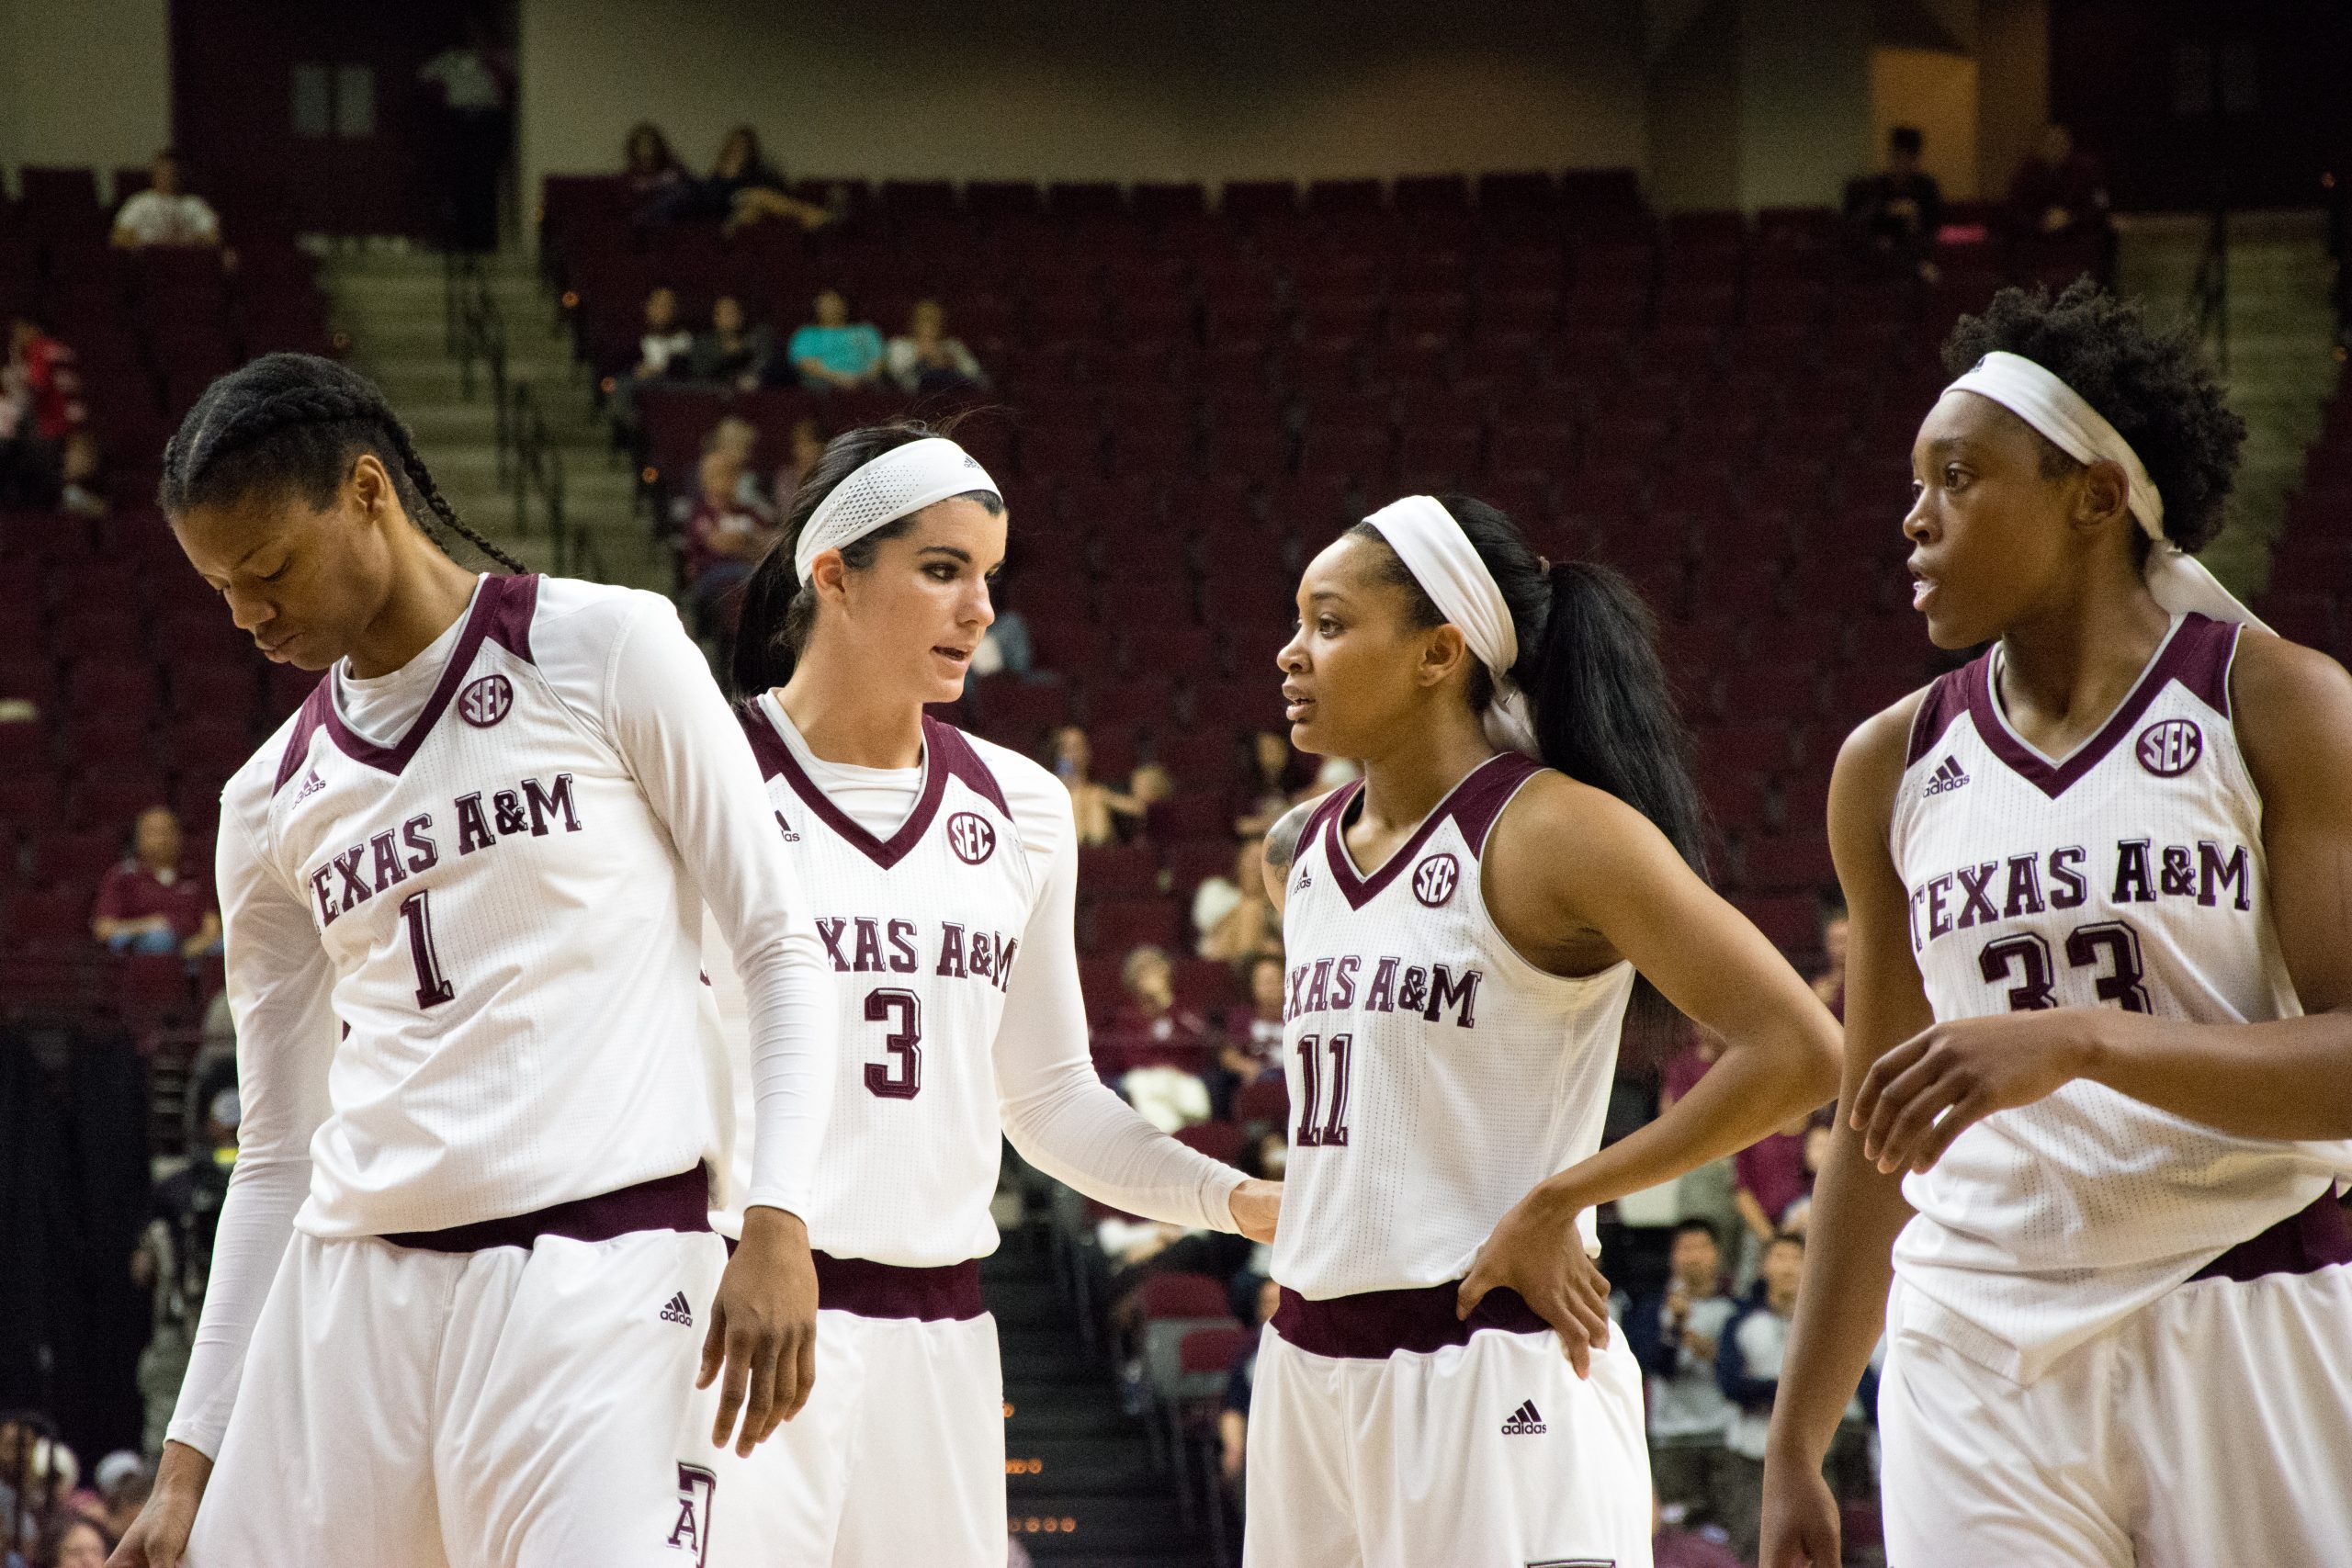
[1256, 1206]
[158, 1537]
[1801, 1521]
[762, 1330]
[1537, 1251]
[1920, 1096]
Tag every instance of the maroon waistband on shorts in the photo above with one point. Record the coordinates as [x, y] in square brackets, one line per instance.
[680, 1203]
[868, 1289]
[2302, 1243]
[1377, 1324]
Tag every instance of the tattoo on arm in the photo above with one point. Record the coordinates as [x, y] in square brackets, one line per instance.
[1282, 838]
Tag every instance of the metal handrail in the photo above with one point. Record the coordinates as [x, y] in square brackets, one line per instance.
[2209, 291]
[537, 465]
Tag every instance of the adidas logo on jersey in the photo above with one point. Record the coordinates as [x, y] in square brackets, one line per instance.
[1948, 775]
[678, 1311]
[1525, 1422]
[311, 786]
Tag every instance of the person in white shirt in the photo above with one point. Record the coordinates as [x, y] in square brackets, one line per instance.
[465, 1278]
[946, 869]
[163, 214]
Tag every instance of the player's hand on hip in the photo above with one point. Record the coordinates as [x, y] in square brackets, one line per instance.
[763, 1333]
[158, 1537]
[1927, 1091]
[1801, 1521]
[1536, 1250]
[1256, 1206]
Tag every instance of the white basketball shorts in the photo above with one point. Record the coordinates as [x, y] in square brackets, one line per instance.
[516, 1406]
[1403, 1438]
[898, 1459]
[2213, 1425]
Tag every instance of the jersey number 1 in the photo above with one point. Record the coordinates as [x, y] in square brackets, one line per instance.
[1330, 1130]
[433, 988]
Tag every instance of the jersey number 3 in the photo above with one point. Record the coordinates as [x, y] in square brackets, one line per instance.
[902, 1077]
[2110, 946]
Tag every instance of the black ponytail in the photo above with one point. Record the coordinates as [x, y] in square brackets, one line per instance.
[294, 422]
[778, 610]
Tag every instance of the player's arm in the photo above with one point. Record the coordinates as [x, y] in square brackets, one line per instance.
[280, 983]
[1857, 1210]
[689, 756]
[2287, 1078]
[1282, 849]
[1060, 1114]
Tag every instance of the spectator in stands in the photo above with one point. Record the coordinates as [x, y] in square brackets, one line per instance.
[1217, 895]
[1006, 647]
[145, 905]
[748, 189]
[662, 351]
[1253, 1031]
[2059, 190]
[1897, 213]
[808, 451]
[1269, 792]
[1153, 1052]
[1099, 810]
[79, 485]
[123, 1483]
[73, 1541]
[174, 1259]
[834, 354]
[1233, 1421]
[1747, 1365]
[648, 168]
[164, 214]
[740, 437]
[475, 83]
[1798, 1215]
[924, 359]
[1675, 1333]
[732, 352]
[1709, 1192]
[1770, 1178]
[1250, 924]
[725, 538]
[1830, 984]
[40, 408]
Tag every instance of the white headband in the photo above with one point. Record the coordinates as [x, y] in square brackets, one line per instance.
[1443, 561]
[2029, 391]
[902, 480]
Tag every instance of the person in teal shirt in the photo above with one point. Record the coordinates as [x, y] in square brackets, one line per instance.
[832, 351]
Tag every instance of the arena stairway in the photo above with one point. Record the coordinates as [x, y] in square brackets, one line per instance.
[390, 301]
[1073, 1457]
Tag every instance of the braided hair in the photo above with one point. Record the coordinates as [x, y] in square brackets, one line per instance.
[295, 423]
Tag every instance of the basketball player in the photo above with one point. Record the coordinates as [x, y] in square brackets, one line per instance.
[465, 1262]
[1463, 928]
[945, 871]
[2098, 1077]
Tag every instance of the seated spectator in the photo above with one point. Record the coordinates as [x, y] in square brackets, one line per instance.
[1249, 924]
[1150, 785]
[163, 214]
[79, 493]
[925, 359]
[146, 905]
[1253, 1031]
[73, 1541]
[1769, 1179]
[1233, 1421]
[1217, 895]
[123, 1484]
[1268, 795]
[2059, 190]
[1006, 647]
[1830, 984]
[725, 538]
[1795, 1218]
[648, 166]
[834, 352]
[1747, 1365]
[662, 351]
[1152, 1051]
[752, 190]
[808, 451]
[1674, 1332]
[41, 409]
[1100, 811]
[740, 437]
[1897, 214]
[732, 352]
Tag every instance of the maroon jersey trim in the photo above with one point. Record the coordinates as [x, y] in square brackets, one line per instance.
[1375, 1325]
[2197, 654]
[1947, 699]
[2311, 1239]
[867, 1289]
[1475, 802]
[679, 1202]
[502, 614]
[776, 761]
[309, 717]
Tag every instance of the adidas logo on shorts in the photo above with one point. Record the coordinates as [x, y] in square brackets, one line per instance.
[1948, 776]
[1525, 1422]
[678, 1311]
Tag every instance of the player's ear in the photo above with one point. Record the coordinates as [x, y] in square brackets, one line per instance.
[1442, 651]
[2102, 494]
[829, 577]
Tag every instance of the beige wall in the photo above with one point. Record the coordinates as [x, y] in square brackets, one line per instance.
[83, 82]
[1937, 92]
[1079, 89]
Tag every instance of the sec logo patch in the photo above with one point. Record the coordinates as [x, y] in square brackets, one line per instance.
[486, 701]
[1435, 879]
[2171, 748]
[970, 836]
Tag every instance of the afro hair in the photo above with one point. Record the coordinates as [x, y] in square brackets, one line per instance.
[2156, 388]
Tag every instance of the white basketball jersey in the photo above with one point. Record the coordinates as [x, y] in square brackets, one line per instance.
[1435, 1076]
[515, 964]
[921, 930]
[2128, 874]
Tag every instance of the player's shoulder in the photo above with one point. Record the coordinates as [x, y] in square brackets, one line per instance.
[571, 611]
[278, 764]
[1024, 788]
[2291, 707]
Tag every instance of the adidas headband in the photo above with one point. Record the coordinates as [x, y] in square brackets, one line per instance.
[900, 481]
